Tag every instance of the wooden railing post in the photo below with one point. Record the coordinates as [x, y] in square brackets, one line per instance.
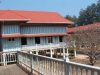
[17, 57]
[31, 60]
[4, 59]
[67, 68]
[51, 67]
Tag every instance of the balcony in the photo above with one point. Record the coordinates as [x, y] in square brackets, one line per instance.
[34, 47]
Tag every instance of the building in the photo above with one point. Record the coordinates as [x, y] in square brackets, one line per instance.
[75, 29]
[71, 31]
[30, 29]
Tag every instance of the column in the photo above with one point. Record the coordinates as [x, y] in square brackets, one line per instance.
[60, 51]
[74, 49]
[67, 68]
[44, 53]
[63, 52]
[30, 51]
[36, 52]
[75, 52]
[56, 54]
[67, 50]
[4, 59]
[51, 53]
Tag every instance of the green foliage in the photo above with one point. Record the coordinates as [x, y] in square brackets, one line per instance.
[89, 15]
[71, 51]
[72, 18]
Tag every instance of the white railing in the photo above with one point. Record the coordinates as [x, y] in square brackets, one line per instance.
[7, 57]
[50, 66]
[32, 47]
[41, 46]
[25, 47]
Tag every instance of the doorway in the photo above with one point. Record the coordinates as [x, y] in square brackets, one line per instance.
[49, 39]
[60, 38]
[23, 41]
[37, 40]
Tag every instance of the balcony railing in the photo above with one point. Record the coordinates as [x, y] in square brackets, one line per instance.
[50, 66]
[32, 47]
[41, 46]
[7, 57]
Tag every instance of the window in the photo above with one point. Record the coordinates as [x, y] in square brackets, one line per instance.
[11, 39]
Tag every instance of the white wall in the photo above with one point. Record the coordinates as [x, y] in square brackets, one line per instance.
[10, 29]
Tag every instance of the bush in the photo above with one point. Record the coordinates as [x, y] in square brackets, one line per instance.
[71, 51]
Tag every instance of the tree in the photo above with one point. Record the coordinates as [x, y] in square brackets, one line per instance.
[72, 18]
[89, 39]
[88, 16]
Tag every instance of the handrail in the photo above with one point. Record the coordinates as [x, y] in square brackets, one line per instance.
[52, 66]
[8, 57]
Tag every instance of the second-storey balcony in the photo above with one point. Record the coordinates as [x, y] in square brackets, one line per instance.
[41, 46]
[34, 47]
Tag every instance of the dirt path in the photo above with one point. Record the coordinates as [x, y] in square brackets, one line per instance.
[81, 56]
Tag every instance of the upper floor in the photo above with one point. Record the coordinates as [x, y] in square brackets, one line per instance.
[17, 29]
[32, 22]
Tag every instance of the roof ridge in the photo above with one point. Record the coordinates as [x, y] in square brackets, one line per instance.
[17, 14]
[36, 11]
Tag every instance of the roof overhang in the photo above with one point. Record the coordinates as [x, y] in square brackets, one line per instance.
[54, 22]
[31, 35]
[14, 20]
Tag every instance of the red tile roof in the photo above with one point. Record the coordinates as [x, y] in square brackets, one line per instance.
[74, 29]
[30, 35]
[33, 16]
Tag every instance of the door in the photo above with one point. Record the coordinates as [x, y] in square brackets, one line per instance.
[23, 41]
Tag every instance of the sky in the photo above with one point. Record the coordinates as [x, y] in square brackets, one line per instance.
[63, 7]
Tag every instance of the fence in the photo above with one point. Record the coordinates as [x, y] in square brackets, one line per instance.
[50, 66]
[7, 57]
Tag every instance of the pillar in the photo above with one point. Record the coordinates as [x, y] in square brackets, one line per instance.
[36, 52]
[75, 52]
[51, 53]
[67, 50]
[44, 53]
[67, 67]
[60, 51]
[30, 51]
[74, 49]
[4, 59]
[56, 54]
[63, 52]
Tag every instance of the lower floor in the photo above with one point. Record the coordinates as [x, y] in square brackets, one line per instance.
[15, 44]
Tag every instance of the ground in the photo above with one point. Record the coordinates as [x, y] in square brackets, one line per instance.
[81, 58]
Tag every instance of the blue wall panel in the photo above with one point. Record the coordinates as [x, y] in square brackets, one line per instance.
[43, 29]
[11, 45]
[10, 29]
